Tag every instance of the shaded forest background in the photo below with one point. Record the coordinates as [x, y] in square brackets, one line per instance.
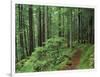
[50, 37]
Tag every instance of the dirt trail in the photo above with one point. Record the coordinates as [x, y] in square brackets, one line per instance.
[75, 60]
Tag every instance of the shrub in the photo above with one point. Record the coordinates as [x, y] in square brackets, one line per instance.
[52, 56]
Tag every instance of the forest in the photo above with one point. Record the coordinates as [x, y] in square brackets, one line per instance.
[53, 38]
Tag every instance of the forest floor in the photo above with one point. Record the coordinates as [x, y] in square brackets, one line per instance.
[80, 58]
[75, 60]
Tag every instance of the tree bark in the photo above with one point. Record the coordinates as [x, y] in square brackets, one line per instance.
[31, 46]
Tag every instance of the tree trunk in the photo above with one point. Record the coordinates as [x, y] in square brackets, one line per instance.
[21, 30]
[46, 22]
[31, 46]
[70, 35]
[59, 21]
[43, 25]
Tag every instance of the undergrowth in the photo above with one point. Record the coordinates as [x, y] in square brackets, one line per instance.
[53, 56]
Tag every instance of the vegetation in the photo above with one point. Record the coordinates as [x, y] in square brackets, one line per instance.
[50, 38]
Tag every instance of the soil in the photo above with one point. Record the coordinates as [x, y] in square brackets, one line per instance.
[75, 60]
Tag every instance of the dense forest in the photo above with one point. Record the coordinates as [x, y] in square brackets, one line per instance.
[50, 38]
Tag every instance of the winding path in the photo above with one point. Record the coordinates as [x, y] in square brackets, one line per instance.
[75, 60]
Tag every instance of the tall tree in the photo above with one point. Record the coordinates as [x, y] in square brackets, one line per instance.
[59, 21]
[46, 21]
[43, 24]
[70, 35]
[31, 44]
[21, 30]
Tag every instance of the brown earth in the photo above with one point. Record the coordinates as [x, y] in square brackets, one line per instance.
[75, 60]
